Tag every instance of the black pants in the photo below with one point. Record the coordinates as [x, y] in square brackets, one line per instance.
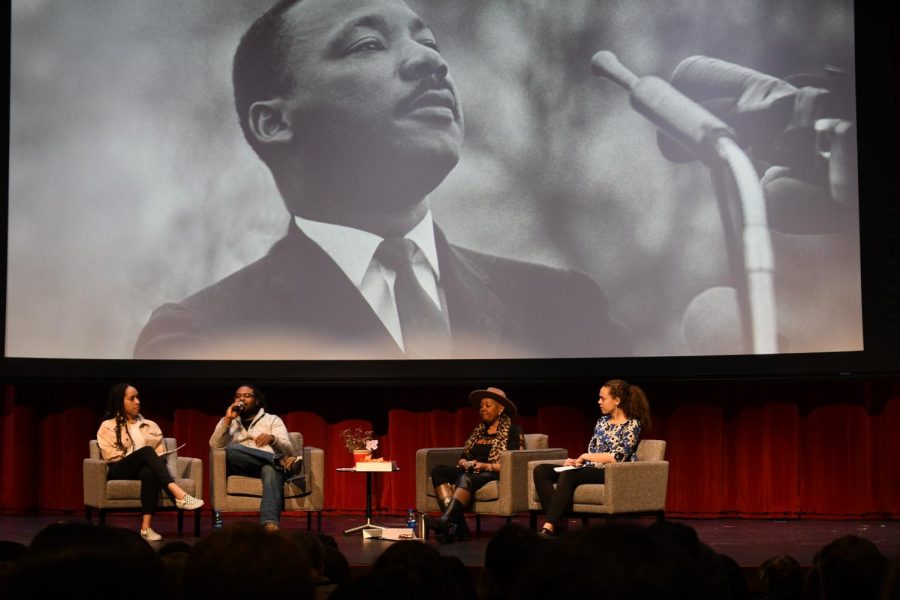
[556, 502]
[146, 465]
[472, 482]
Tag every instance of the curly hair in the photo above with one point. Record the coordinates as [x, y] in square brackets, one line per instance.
[498, 444]
[115, 409]
[632, 400]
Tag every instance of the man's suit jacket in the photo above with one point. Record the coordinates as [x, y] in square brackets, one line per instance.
[296, 303]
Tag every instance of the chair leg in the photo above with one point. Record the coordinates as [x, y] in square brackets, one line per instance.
[180, 521]
[585, 521]
[308, 521]
[532, 519]
[102, 517]
[87, 514]
[477, 525]
[319, 521]
[509, 520]
[196, 523]
[217, 519]
[660, 516]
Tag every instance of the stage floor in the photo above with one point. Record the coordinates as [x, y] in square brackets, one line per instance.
[748, 541]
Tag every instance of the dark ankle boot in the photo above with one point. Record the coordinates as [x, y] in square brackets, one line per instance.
[442, 526]
[460, 530]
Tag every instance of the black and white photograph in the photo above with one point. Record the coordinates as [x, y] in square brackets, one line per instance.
[379, 179]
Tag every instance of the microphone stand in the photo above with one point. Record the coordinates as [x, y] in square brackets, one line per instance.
[739, 194]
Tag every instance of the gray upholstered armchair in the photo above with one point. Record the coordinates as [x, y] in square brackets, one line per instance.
[632, 488]
[502, 498]
[235, 493]
[125, 494]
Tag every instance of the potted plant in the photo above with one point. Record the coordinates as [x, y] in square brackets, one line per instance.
[359, 442]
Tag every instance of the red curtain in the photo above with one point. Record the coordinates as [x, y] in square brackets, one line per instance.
[752, 450]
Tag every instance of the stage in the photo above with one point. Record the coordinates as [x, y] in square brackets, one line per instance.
[747, 541]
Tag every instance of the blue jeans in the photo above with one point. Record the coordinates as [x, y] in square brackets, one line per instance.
[253, 462]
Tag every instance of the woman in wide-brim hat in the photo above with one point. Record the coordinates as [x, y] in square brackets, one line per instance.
[479, 463]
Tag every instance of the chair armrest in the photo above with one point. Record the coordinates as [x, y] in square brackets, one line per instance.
[218, 482]
[514, 476]
[636, 486]
[192, 468]
[94, 476]
[314, 467]
[426, 460]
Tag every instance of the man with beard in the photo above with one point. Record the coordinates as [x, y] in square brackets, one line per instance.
[257, 445]
[351, 106]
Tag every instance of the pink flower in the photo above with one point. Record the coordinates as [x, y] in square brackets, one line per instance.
[372, 445]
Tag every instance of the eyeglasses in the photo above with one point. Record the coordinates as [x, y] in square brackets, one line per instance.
[245, 395]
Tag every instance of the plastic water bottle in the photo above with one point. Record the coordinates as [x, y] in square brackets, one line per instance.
[411, 520]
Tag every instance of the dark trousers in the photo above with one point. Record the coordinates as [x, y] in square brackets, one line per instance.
[472, 482]
[143, 464]
[556, 501]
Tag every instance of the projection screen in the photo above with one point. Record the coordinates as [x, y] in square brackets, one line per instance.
[560, 228]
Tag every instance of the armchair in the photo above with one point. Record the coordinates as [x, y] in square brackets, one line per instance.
[125, 494]
[235, 493]
[632, 488]
[502, 498]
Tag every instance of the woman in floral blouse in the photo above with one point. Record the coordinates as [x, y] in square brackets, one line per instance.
[617, 433]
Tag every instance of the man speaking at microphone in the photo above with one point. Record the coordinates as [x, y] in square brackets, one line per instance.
[257, 445]
[353, 109]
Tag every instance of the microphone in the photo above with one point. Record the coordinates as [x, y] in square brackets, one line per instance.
[239, 406]
[702, 78]
[757, 105]
[682, 119]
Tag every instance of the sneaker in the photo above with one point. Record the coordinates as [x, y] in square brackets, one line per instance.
[150, 535]
[291, 465]
[547, 533]
[271, 527]
[188, 503]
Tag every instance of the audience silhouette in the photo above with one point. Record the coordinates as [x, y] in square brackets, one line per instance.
[615, 560]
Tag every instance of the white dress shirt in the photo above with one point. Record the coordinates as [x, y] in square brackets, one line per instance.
[353, 250]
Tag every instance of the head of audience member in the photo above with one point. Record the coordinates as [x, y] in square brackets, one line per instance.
[350, 104]
[405, 571]
[705, 561]
[509, 553]
[734, 578]
[891, 587]
[615, 560]
[848, 567]
[75, 560]
[174, 557]
[461, 576]
[782, 578]
[245, 561]
[10, 553]
[312, 546]
[337, 567]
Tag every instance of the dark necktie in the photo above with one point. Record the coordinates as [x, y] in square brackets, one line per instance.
[425, 333]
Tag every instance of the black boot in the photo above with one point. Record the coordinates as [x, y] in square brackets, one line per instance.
[460, 529]
[442, 526]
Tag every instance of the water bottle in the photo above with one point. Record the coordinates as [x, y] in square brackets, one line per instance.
[411, 521]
